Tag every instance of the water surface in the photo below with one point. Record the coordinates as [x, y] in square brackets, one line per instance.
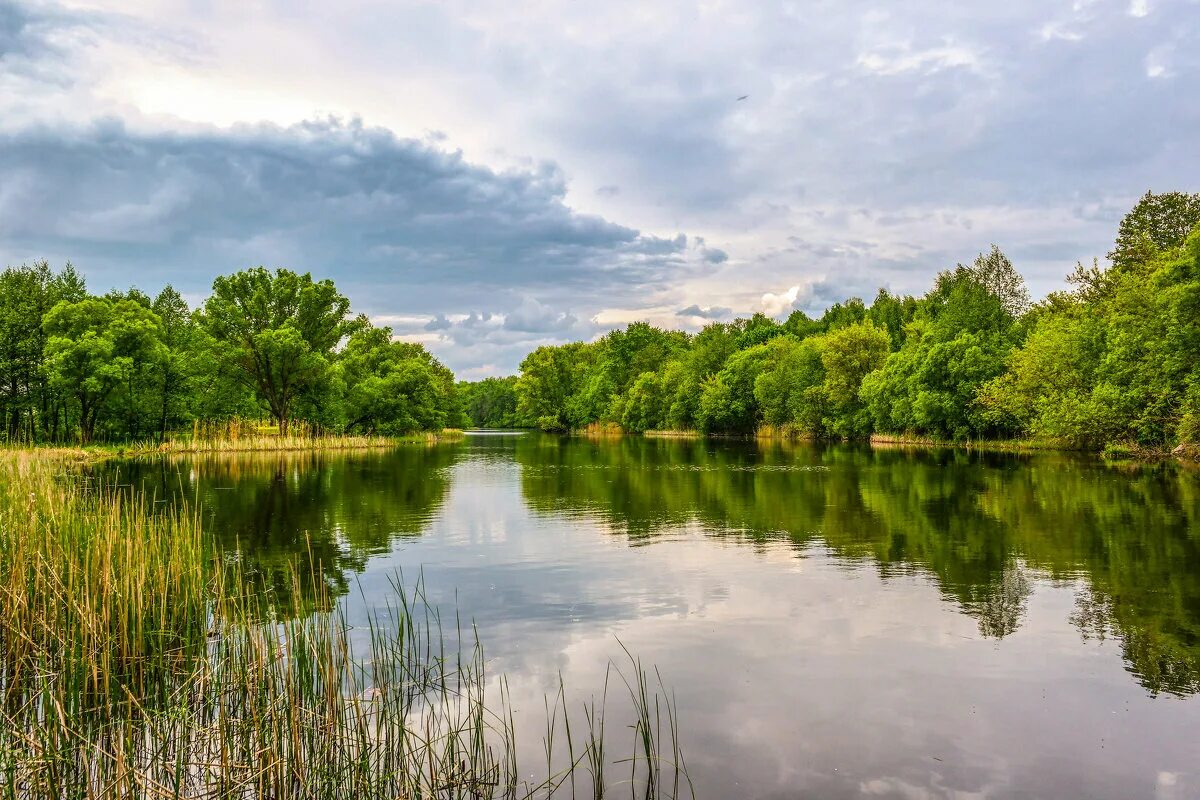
[835, 621]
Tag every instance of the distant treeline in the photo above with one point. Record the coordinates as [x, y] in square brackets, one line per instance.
[1116, 358]
[272, 345]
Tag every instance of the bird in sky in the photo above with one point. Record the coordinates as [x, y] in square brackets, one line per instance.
[740, 99]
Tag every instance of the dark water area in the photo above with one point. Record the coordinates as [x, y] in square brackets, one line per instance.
[835, 621]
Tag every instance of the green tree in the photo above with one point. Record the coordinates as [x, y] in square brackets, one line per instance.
[791, 388]
[29, 404]
[277, 333]
[1116, 360]
[96, 346]
[550, 378]
[1158, 222]
[644, 404]
[492, 402]
[394, 387]
[175, 371]
[848, 355]
[959, 340]
[727, 401]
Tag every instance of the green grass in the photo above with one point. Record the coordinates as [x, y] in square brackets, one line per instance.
[134, 664]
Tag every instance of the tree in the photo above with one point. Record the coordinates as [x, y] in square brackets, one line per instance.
[790, 389]
[1158, 222]
[848, 355]
[95, 346]
[491, 402]
[892, 313]
[394, 387]
[175, 369]
[643, 409]
[727, 401]
[1118, 362]
[996, 274]
[277, 333]
[550, 378]
[27, 401]
[960, 337]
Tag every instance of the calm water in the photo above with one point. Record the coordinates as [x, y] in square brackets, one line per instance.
[835, 621]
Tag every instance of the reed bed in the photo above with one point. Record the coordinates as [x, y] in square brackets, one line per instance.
[601, 430]
[901, 440]
[133, 663]
[670, 434]
[788, 431]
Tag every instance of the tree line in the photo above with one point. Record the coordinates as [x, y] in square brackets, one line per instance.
[1114, 358]
[265, 344]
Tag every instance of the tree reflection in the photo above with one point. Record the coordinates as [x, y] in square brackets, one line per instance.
[321, 512]
[978, 523]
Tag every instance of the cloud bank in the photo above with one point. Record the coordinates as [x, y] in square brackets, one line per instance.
[516, 181]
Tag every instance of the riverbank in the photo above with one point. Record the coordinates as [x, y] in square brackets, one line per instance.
[992, 445]
[255, 443]
[1114, 451]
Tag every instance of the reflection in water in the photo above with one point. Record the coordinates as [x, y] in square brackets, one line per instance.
[325, 511]
[974, 521]
[837, 621]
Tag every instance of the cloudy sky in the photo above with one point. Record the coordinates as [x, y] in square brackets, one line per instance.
[488, 176]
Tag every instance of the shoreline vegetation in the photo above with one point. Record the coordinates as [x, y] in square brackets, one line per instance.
[1117, 451]
[1110, 365]
[134, 662]
[247, 440]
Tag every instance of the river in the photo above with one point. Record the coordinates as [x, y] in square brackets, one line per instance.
[834, 621]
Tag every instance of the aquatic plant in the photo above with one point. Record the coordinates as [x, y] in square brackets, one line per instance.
[134, 663]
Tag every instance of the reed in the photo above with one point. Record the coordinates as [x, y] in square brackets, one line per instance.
[788, 431]
[133, 663]
[600, 430]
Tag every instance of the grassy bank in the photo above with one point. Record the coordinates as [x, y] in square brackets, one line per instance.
[996, 445]
[133, 662]
[673, 434]
[234, 441]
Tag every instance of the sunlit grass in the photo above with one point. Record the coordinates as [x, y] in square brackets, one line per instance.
[134, 663]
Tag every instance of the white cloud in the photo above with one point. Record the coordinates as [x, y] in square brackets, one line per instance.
[901, 58]
[778, 305]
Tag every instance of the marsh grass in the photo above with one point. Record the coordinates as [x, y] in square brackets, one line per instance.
[788, 431]
[903, 440]
[134, 664]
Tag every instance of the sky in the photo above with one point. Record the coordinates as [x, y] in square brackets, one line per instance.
[487, 177]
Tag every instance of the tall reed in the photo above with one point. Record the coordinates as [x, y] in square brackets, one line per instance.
[134, 664]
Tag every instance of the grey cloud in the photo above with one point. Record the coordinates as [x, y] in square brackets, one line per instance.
[438, 323]
[534, 317]
[408, 222]
[712, 312]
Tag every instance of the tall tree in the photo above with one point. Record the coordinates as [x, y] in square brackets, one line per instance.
[277, 332]
[995, 273]
[175, 368]
[1158, 222]
[27, 293]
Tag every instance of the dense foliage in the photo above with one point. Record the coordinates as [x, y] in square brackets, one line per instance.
[1115, 359]
[274, 345]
